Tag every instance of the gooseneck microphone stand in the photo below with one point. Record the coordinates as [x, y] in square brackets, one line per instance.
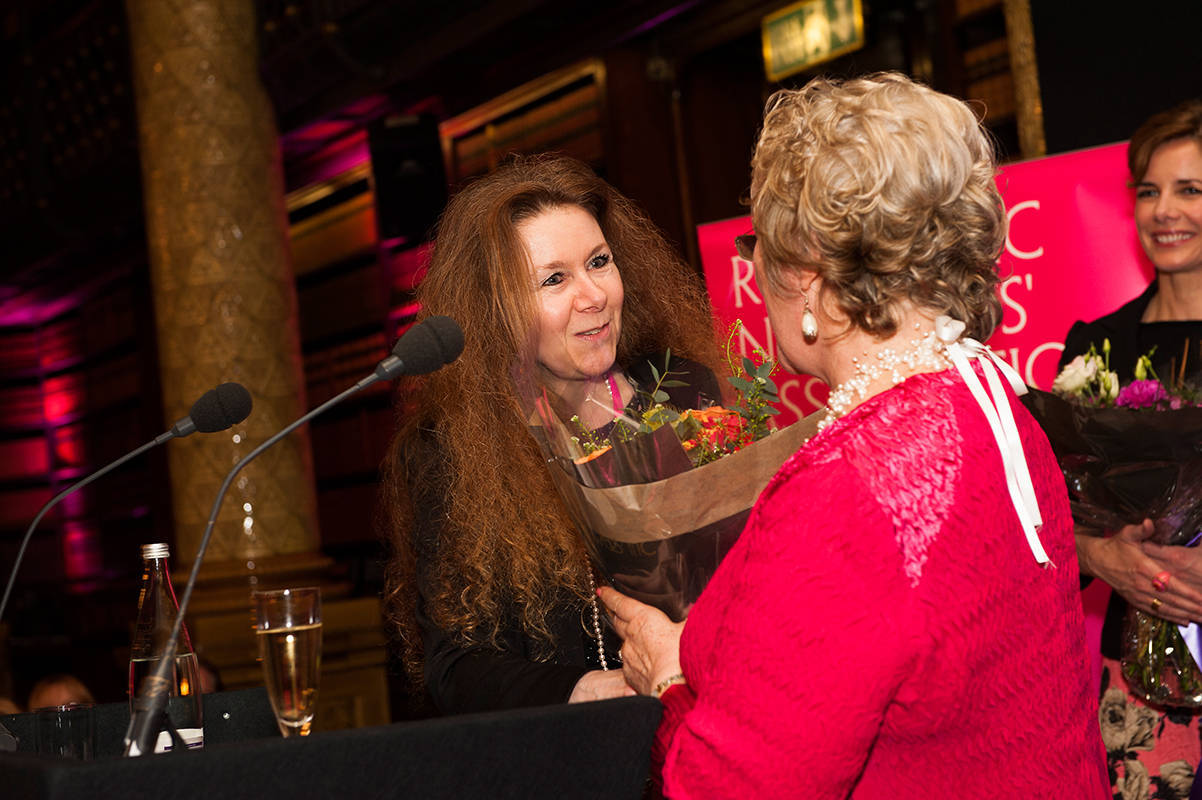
[150, 707]
[437, 334]
[54, 501]
[216, 410]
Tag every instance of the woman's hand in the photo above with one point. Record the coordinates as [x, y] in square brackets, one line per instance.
[1130, 564]
[1183, 589]
[599, 684]
[650, 641]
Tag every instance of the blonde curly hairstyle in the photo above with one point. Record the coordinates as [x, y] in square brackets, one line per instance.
[885, 188]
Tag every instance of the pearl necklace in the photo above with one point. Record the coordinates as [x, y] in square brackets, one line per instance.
[616, 398]
[592, 591]
[925, 354]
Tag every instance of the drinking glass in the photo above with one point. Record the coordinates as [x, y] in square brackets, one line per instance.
[288, 627]
[66, 731]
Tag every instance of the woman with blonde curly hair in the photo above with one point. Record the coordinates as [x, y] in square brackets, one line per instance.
[553, 275]
[901, 616]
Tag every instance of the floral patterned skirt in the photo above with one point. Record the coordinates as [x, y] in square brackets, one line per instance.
[1151, 752]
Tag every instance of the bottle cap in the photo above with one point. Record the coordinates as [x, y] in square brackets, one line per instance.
[157, 550]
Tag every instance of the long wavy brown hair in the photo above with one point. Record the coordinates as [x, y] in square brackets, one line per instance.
[505, 548]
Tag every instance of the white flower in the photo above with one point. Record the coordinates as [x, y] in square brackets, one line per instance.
[1108, 385]
[1076, 375]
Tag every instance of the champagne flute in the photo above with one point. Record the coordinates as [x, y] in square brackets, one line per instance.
[288, 627]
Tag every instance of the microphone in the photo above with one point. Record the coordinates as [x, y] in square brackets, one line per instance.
[425, 347]
[216, 410]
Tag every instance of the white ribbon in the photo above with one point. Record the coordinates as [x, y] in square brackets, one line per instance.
[996, 407]
[1193, 640]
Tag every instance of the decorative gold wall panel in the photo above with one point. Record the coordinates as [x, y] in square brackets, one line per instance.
[224, 293]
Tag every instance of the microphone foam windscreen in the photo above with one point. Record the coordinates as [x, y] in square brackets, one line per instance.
[220, 408]
[429, 345]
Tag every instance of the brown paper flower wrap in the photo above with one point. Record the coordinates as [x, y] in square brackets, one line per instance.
[656, 527]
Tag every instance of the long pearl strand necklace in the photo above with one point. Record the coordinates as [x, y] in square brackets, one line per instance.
[592, 591]
[616, 398]
[925, 354]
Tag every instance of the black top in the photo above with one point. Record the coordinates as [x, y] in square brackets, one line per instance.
[463, 679]
[1129, 339]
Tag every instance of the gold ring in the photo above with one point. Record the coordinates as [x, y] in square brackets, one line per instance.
[1156, 603]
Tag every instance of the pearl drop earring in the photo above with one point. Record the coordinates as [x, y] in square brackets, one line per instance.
[809, 323]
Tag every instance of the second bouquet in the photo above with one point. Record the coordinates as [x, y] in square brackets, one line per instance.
[1130, 452]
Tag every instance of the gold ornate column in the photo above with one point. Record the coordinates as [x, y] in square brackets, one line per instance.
[224, 294]
[1020, 38]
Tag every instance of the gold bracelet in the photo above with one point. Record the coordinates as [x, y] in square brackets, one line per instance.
[663, 685]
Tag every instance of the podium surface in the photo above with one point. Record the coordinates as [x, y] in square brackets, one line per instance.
[586, 750]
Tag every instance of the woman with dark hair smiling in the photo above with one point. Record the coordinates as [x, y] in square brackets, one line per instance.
[1150, 745]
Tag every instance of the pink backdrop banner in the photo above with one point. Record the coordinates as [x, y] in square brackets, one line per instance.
[1071, 253]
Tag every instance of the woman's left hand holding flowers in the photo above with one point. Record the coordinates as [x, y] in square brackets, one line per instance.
[1181, 595]
[650, 641]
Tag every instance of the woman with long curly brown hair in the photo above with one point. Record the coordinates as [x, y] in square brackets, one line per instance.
[551, 272]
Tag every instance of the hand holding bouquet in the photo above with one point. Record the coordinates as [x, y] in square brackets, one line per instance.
[1129, 453]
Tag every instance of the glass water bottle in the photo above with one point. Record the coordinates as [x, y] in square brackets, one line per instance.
[157, 611]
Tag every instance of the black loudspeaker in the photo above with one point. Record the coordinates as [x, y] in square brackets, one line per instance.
[408, 175]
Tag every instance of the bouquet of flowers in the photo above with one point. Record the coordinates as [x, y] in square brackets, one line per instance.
[661, 499]
[1129, 453]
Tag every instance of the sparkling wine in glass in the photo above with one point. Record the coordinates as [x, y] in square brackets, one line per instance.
[288, 627]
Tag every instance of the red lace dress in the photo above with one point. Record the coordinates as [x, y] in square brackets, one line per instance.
[881, 628]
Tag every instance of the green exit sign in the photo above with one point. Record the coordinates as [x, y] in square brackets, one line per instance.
[810, 32]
